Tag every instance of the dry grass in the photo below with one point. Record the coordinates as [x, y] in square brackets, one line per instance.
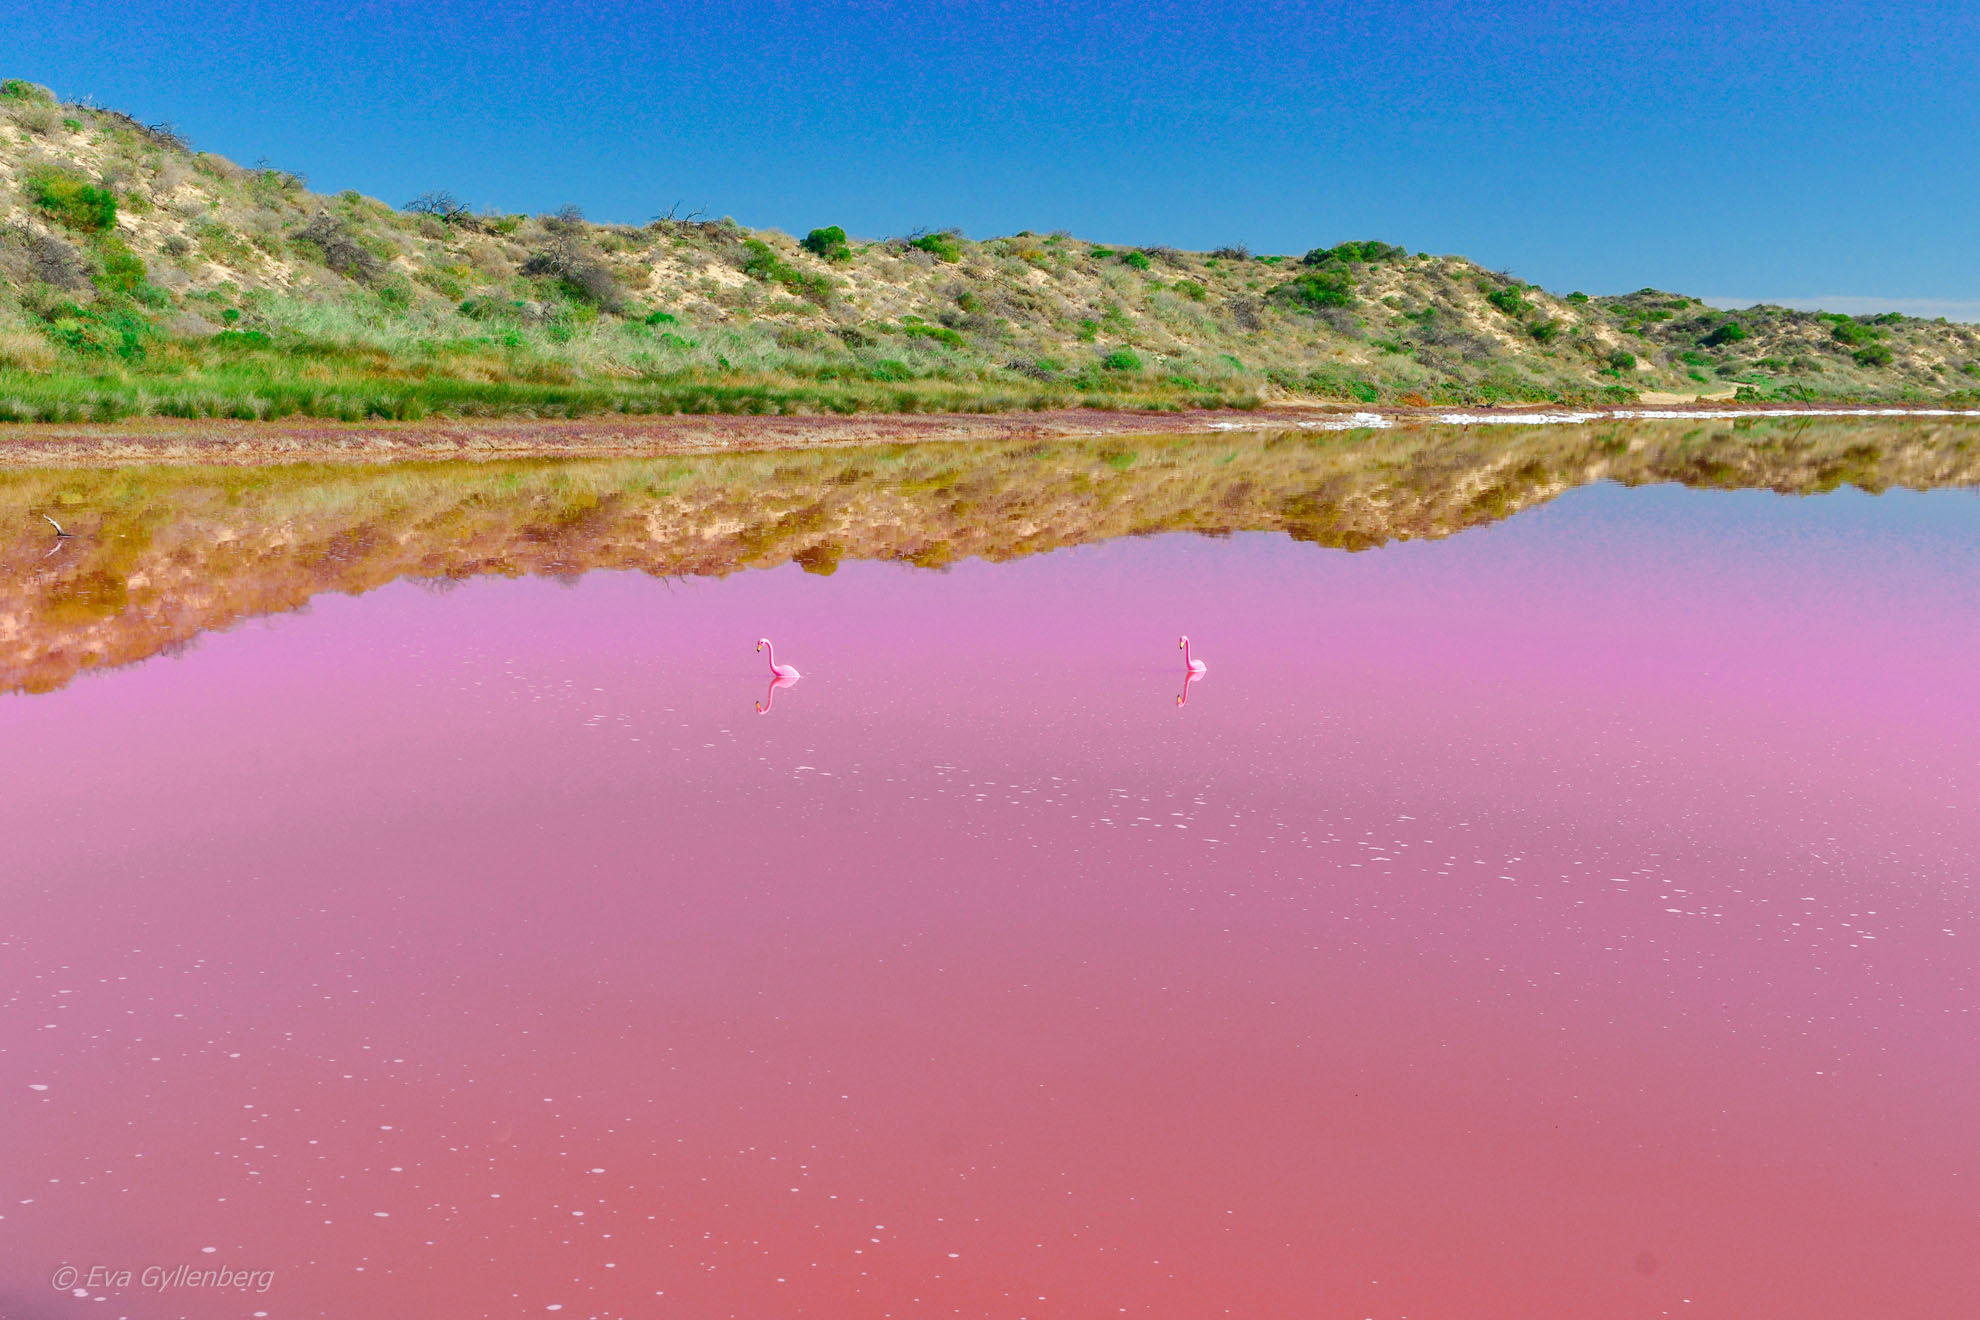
[261, 299]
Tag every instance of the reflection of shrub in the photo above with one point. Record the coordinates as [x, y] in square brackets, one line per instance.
[829, 243]
[71, 200]
[1317, 289]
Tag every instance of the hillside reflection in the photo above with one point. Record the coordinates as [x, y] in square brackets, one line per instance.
[161, 554]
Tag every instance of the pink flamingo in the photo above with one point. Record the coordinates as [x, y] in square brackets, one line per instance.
[777, 670]
[781, 676]
[1196, 667]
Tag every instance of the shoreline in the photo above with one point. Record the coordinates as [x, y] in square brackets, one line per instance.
[254, 443]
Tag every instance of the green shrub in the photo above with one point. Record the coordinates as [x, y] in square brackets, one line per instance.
[1873, 355]
[20, 89]
[762, 262]
[660, 318]
[940, 246]
[1729, 333]
[488, 309]
[122, 271]
[1545, 332]
[828, 243]
[72, 200]
[941, 334]
[1316, 289]
[1102, 253]
[99, 331]
[1135, 259]
[1508, 300]
[1121, 359]
[1190, 289]
[1847, 331]
[1577, 297]
[1622, 360]
[1366, 251]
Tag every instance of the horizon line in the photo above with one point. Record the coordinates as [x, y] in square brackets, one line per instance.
[1854, 304]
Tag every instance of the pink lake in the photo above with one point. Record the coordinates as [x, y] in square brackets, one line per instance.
[1571, 918]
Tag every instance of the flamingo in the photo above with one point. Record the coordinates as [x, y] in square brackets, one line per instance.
[776, 670]
[1196, 667]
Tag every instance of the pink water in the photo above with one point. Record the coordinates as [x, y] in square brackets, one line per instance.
[1571, 919]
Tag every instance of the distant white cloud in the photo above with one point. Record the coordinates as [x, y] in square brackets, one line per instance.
[1856, 305]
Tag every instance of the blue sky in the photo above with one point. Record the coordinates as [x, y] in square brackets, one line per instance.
[1778, 150]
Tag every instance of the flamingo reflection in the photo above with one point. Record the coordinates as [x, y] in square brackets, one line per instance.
[770, 697]
[1189, 676]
